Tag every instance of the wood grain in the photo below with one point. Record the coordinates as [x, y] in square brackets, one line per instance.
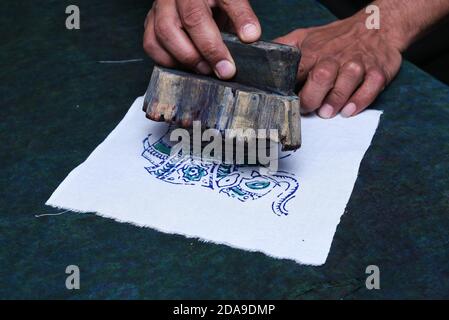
[179, 97]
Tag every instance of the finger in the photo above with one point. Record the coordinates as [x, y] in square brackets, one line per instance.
[306, 64]
[349, 77]
[319, 82]
[296, 39]
[152, 46]
[149, 14]
[375, 82]
[168, 30]
[196, 17]
[393, 65]
[243, 18]
[146, 19]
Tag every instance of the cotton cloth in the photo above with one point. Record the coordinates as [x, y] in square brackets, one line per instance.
[292, 214]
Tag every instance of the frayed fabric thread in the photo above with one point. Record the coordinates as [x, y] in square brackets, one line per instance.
[50, 214]
[120, 61]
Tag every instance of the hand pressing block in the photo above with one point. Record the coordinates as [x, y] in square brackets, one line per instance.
[260, 96]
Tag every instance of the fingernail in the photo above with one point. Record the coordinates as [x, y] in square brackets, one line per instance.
[326, 111]
[250, 32]
[225, 69]
[203, 67]
[348, 110]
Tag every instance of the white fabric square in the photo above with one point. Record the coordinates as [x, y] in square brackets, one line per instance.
[292, 214]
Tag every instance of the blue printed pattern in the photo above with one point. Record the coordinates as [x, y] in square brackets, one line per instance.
[239, 182]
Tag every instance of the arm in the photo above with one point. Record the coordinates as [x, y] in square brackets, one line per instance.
[408, 20]
[345, 65]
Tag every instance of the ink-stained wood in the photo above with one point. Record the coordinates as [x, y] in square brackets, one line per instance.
[179, 97]
[265, 65]
[260, 95]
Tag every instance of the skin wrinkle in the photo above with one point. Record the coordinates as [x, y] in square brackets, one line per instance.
[346, 41]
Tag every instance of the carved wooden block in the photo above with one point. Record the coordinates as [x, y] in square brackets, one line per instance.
[260, 95]
[264, 65]
[179, 97]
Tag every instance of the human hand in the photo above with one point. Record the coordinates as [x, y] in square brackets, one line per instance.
[185, 32]
[344, 65]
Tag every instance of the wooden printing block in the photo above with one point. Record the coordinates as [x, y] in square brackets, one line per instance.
[260, 96]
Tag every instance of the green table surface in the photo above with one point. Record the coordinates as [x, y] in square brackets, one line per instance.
[58, 103]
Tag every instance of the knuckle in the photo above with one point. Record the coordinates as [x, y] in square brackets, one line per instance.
[244, 13]
[322, 75]
[192, 16]
[377, 75]
[149, 47]
[162, 30]
[227, 3]
[355, 68]
[189, 59]
[210, 50]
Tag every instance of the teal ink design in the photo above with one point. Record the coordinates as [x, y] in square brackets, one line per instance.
[194, 173]
[242, 183]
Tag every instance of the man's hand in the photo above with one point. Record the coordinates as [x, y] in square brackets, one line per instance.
[184, 32]
[344, 66]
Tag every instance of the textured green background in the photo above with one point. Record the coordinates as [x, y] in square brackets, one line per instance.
[58, 103]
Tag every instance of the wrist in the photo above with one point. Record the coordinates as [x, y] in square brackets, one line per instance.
[397, 30]
[390, 28]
